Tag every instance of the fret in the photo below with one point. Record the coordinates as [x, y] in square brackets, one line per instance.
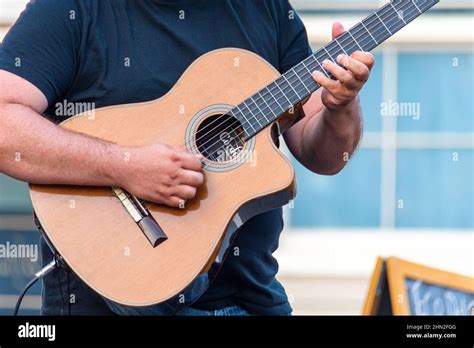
[317, 61]
[243, 116]
[342, 48]
[414, 3]
[299, 78]
[242, 113]
[269, 92]
[400, 16]
[427, 4]
[378, 27]
[329, 54]
[236, 115]
[411, 12]
[310, 74]
[289, 101]
[381, 21]
[251, 113]
[409, 16]
[291, 87]
[304, 65]
[310, 77]
[253, 107]
[362, 37]
[305, 76]
[349, 32]
[258, 107]
[268, 106]
[392, 22]
[369, 32]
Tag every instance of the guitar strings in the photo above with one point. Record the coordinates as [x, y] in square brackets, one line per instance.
[235, 123]
[344, 41]
[237, 137]
[305, 78]
[392, 21]
[330, 49]
[313, 56]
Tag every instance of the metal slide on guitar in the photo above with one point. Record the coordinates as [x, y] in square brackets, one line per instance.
[224, 106]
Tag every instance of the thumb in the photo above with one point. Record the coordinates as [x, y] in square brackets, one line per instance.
[337, 29]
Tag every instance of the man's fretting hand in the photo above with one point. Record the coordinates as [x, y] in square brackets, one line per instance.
[338, 93]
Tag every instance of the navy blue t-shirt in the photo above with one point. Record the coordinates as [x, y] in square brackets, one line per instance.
[122, 51]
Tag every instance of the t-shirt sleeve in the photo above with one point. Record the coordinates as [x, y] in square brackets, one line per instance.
[293, 39]
[41, 46]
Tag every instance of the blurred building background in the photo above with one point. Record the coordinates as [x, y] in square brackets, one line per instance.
[408, 191]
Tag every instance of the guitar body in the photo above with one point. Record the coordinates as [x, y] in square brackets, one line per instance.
[96, 236]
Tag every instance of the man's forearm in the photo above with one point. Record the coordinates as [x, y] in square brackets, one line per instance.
[35, 150]
[330, 138]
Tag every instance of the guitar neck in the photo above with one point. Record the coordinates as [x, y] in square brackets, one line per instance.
[268, 104]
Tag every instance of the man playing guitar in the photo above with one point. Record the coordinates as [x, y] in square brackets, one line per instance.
[116, 52]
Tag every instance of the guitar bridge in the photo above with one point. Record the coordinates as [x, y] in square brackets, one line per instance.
[139, 213]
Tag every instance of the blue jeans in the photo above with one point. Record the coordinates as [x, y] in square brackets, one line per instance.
[63, 286]
[65, 294]
[190, 311]
[227, 311]
[87, 302]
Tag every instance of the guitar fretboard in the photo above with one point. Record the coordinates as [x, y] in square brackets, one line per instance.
[264, 107]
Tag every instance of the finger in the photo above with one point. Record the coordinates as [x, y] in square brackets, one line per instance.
[337, 29]
[339, 73]
[366, 58]
[175, 202]
[191, 161]
[358, 69]
[185, 192]
[324, 81]
[191, 178]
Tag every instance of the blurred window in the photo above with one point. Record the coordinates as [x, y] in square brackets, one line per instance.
[443, 85]
[432, 176]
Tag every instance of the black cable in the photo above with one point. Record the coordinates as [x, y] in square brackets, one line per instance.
[27, 287]
[58, 280]
[68, 295]
[53, 264]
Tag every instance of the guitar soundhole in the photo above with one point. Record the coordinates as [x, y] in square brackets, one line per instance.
[220, 138]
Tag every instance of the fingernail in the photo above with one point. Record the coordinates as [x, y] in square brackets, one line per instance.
[341, 57]
[317, 74]
[326, 62]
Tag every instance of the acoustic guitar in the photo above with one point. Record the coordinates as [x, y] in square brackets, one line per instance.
[228, 105]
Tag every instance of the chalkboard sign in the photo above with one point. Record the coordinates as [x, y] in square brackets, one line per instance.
[400, 287]
[429, 299]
